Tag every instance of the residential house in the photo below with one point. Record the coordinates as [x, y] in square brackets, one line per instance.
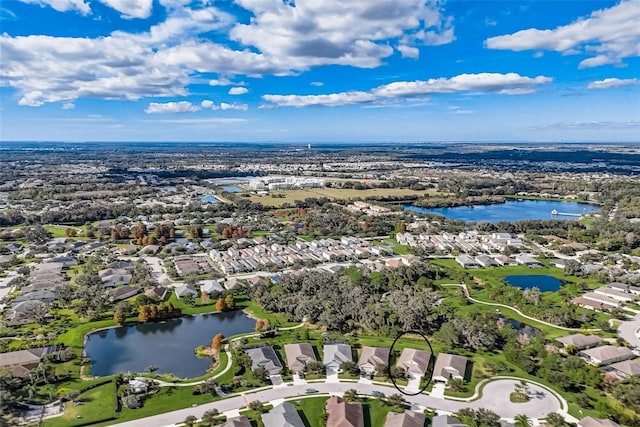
[606, 355]
[20, 362]
[344, 414]
[603, 299]
[405, 419]
[371, 358]
[615, 294]
[625, 369]
[124, 292]
[157, 292]
[22, 313]
[335, 355]
[528, 261]
[185, 290]
[115, 277]
[446, 421]
[560, 263]
[298, 355]
[591, 304]
[597, 422]
[466, 261]
[264, 357]
[449, 366]
[579, 341]
[46, 296]
[414, 362]
[630, 289]
[241, 421]
[283, 415]
[505, 260]
[210, 286]
[138, 385]
[486, 261]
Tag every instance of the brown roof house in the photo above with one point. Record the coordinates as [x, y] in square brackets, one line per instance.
[449, 366]
[344, 414]
[371, 357]
[22, 361]
[414, 362]
[298, 355]
[405, 419]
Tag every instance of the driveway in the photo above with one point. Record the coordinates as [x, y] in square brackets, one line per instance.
[495, 397]
[437, 390]
[627, 330]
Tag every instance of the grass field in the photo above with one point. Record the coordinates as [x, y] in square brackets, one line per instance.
[290, 196]
[98, 404]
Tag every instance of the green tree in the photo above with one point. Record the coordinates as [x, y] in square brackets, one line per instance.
[522, 420]
[143, 313]
[256, 405]
[230, 302]
[190, 420]
[397, 401]
[118, 316]
[554, 419]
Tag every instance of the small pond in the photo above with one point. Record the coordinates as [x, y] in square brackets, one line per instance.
[542, 282]
[168, 345]
[209, 199]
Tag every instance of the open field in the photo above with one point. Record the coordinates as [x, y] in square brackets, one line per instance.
[97, 404]
[280, 197]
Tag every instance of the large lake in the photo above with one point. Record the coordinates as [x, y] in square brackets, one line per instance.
[168, 345]
[511, 210]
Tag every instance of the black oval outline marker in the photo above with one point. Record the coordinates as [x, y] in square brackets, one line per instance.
[431, 361]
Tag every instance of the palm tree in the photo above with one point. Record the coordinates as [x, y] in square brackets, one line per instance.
[522, 420]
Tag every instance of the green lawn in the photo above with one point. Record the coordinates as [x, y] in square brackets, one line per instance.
[99, 405]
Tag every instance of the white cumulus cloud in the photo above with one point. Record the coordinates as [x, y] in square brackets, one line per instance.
[171, 107]
[612, 82]
[607, 36]
[330, 100]
[63, 5]
[131, 8]
[206, 103]
[68, 106]
[222, 81]
[507, 84]
[238, 90]
[503, 84]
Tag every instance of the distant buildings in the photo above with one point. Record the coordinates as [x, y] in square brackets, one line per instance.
[272, 183]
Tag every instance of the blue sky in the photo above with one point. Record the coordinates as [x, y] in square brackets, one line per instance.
[319, 70]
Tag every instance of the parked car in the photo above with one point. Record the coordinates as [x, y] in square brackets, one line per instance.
[311, 390]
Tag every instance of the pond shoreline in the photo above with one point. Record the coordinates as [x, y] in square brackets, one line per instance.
[184, 336]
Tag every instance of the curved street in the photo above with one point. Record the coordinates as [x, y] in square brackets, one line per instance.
[495, 397]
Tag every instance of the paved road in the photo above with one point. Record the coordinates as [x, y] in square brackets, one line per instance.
[495, 397]
[627, 330]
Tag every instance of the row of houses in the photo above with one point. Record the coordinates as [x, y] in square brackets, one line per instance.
[468, 241]
[340, 413]
[237, 260]
[467, 261]
[614, 360]
[607, 298]
[414, 362]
